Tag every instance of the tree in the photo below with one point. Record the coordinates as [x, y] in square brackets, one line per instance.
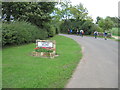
[81, 13]
[36, 13]
[95, 27]
[87, 26]
[65, 9]
[98, 19]
[105, 24]
[115, 21]
[74, 17]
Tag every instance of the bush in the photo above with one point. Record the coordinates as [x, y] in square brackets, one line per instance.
[52, 31]
[21, 32]
[57, 31]
[115, 31]
[95, 28]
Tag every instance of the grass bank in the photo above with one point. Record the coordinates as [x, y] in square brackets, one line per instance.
[20, 70]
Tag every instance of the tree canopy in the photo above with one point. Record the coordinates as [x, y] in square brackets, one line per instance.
[62, 16]
[106, 23]
[34, 12]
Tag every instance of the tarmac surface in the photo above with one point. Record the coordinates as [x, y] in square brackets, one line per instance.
[98, 67]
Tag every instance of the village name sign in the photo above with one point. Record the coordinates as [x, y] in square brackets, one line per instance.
[45, 48]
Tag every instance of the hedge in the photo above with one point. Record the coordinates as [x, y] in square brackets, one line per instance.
[20, 33]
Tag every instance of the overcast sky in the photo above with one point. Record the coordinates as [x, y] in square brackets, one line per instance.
[100, 8]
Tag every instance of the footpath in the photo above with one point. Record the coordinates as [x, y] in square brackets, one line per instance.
[99, 66]
[116, 37]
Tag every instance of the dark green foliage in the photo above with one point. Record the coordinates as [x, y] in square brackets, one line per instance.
[37, 13]
[21, 32]
[94, 28]
[98, 19]
[65, 26]
[106, 24]
[69, 24]
[116, 21]
[50, 29]
[73, 24]
[57, 31]
[76, 18]
[86, 26]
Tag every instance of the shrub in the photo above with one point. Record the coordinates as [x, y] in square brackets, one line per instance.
[95, 28]
[57, 31]
[21, 32]
[52, 31]
[115, 31]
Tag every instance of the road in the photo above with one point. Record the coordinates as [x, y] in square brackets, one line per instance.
[99, 66]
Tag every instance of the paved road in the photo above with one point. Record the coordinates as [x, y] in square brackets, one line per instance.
[99, 66]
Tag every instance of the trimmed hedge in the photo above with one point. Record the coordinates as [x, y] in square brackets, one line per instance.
[21, 32]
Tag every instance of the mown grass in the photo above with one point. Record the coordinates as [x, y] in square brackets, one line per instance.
[20, 70]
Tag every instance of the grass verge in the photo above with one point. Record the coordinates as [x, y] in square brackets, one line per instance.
[20, 70]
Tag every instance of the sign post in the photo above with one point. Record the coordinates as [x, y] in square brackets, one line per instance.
[45, 48]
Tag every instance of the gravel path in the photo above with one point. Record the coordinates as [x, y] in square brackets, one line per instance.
[99, 66]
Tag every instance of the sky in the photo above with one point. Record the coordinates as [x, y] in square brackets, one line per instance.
[100, 8]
